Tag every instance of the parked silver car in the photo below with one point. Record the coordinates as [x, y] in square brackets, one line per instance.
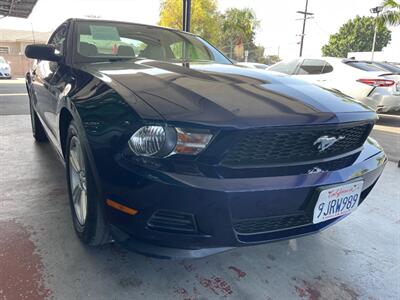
[5, 69]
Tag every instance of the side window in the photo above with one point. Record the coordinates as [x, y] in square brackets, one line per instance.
[327, 68]
[58, 38]
[314, 67]
[287, 67]
[49, 68]
[311, 67]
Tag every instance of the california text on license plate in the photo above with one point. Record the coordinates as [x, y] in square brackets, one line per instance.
[337, 201]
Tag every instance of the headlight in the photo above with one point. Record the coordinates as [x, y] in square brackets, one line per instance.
[159, 141]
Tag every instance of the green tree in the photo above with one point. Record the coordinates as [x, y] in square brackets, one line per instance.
[205, 19]
[356, 36]
[238, 27]
[390, 14]
[257, 54]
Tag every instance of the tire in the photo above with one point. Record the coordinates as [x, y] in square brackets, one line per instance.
[85, 200]
[37, 128]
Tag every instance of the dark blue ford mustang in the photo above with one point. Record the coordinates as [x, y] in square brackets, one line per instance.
[175, 152]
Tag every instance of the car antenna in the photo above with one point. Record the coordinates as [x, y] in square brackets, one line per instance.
[33, 33]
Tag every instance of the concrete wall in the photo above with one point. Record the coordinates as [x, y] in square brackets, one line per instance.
[13, 47]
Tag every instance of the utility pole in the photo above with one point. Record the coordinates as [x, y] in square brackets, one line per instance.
[306, 15]
[375, 10]
[186, 14]
[187, 7]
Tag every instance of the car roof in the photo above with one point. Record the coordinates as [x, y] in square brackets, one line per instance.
[125, 22]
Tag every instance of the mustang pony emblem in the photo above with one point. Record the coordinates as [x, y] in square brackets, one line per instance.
[324, 142]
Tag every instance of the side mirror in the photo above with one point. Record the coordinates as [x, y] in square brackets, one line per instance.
[42, 52]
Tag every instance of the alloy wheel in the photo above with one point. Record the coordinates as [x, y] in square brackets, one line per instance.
[77, 179]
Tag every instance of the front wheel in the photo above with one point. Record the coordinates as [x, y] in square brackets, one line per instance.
[85, 200]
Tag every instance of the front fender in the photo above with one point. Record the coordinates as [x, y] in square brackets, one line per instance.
[104, 118]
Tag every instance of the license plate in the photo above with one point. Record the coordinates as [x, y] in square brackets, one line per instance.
[337, 201]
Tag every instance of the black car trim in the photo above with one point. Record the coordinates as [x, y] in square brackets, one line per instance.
[326, 127]
[255, 166]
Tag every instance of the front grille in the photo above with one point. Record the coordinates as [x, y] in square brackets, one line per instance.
[271, 224]
[292, 145]
[170, 220]
[306, 168]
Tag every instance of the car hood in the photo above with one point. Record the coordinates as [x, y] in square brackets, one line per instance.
[226, 95]
[2, 65]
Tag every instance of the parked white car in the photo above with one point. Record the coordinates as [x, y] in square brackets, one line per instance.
[5, 69]
[365, 82]
[252, 65]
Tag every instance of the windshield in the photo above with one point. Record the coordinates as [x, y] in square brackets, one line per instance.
[2, 60]
[286, 67]
[100, 41]
[389, 67]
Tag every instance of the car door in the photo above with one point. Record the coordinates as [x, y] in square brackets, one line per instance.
[46, 81]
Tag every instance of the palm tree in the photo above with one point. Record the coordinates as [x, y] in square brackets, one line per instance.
[390, 14]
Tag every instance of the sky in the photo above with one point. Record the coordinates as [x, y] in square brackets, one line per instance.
[278, 29]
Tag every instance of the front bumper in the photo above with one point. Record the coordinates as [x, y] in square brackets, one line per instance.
[202, 216]
[4, 74]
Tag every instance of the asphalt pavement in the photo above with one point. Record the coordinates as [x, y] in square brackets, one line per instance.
[13, 97]
[41, 258]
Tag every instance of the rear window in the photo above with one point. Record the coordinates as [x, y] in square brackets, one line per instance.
[195, 52]
[314, 66]
[100, 40]
[365, 66]
[105, 40]
[287, 67]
